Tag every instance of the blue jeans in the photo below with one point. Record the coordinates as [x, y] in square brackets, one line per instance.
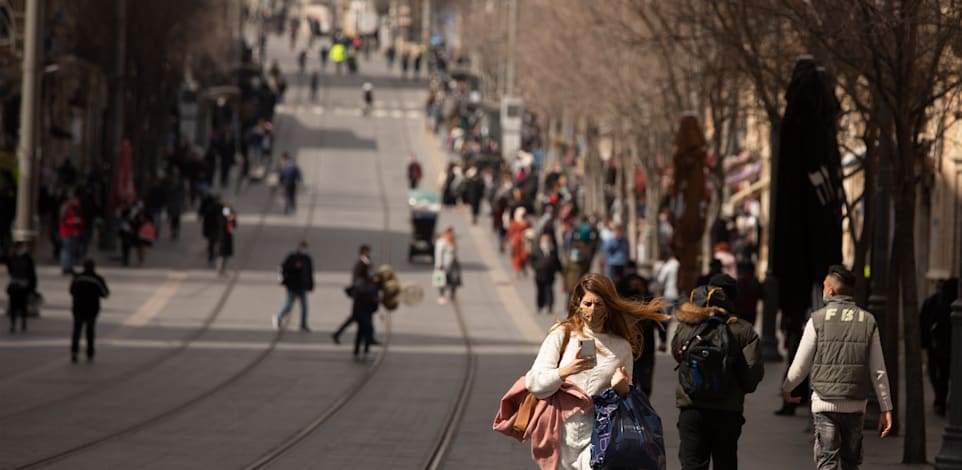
[838, 441]
[69, 253]
[291, 295]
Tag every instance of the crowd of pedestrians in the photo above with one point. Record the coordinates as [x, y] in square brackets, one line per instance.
[541, 227]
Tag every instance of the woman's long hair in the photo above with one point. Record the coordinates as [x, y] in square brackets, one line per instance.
[623, 314]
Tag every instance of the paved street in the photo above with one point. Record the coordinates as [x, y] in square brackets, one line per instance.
[189, 373]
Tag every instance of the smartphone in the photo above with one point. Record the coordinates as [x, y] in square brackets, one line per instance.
[587, 347]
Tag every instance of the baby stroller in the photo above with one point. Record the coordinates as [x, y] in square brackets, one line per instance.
[425, 206]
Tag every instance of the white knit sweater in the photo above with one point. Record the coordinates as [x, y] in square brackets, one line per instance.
[802, 365]
[543, 380]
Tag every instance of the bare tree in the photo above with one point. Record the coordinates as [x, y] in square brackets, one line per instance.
[163, 39]
[901, 52]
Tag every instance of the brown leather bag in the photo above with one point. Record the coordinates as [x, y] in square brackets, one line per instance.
[530, 401]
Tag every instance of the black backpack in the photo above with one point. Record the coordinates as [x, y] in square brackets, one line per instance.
[703, 361]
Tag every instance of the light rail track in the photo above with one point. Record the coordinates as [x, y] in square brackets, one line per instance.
[196, 399]
[448, 429]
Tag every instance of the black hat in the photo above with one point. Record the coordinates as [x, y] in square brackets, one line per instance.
[708, 296]
[727, 283]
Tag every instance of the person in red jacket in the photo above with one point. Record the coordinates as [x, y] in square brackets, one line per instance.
[71, 228]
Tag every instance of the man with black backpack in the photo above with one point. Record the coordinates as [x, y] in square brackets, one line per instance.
[297, 275]
[719, 360]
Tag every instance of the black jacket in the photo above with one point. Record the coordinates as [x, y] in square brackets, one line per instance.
[87, 289]
[545, 265]
[298, 272]
[365, 298]
[211, 212]
[23, 273]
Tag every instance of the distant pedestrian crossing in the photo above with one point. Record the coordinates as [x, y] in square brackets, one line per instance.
[382, 110]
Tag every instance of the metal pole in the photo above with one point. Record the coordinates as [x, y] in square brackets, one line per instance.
[950, 455]
[27, 150]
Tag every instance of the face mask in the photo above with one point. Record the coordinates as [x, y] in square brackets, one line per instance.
[824, 300]
[599, 315]
[545, 247]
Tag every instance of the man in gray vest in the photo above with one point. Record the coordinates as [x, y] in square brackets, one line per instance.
[841, 349]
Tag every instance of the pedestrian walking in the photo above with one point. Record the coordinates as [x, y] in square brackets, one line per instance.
[414, 172]
[724, 254]
[315, 82]
[297, 276]
[389, 54]
[338, 55]
[323, 56]
[210, 212]
[514, 239]
[719, 361]
[635, 287]
[22, 284]
[405, 63]
[473, 192]
[176, 195]
[616, 253]
[290, 178]
[71, 230]
[361, 267]
[225, 242]
[132, 219]
[87, 288]
[367, 91]
[666, 278]
[545, 263]
[446, 262]
[840, 347]
[599, 320]
[750, 292]
[155, 201]
[583, 247]
[364, 305]
[936, 329]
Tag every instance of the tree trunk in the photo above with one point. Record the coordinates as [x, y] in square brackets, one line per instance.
[914, 445]
[631, 204]
[885, 264]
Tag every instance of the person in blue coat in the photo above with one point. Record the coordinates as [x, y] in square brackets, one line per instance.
[616, 253]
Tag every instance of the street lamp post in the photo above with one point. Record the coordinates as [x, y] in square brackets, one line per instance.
[950, 455]
[27, 147]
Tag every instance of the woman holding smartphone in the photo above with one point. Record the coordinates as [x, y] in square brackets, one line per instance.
[603, 342]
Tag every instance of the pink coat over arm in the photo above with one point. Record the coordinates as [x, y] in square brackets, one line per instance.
[546, 424]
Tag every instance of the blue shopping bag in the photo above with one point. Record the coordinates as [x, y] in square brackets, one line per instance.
[627, 433]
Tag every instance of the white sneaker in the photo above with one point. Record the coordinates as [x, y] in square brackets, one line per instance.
[275, 324]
